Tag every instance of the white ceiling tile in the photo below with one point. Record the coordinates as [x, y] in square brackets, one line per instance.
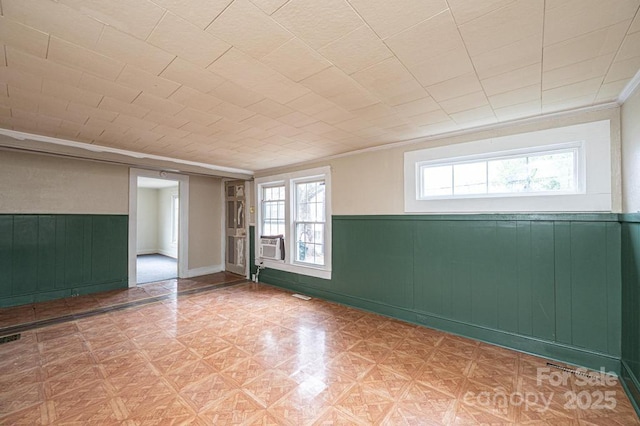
[630, 47]
[577, 90]
[435, 69]
[431, 117]
[126, 48]
[197, 116]
[610, 91]
[390, 17]
[455, 87]
[83, 59]
[390, 81]
[339, 88]
[411, 48]
[231, 111]
[517, 55]
[109, 88]
[138, 79]
[114, 105]
[512, 112]
[585, 47]
[235, 94]
[198, 12]
[22, 37]
[577, 72]
[183, 39]
[194, 99]
[635, 25]
[158, 104]
[94, 113]
[198, 129]
[513, 80]
[139, 20]
[501, 27]
[18, 78]
[311, 104]
[465, 102]
[249, 29]
[270, 108]
[420, 106]
[167, 120]
[269, 6]
[54, 18]
[318, 23]
[570, 18]
[465, 10]
[517, 96]
[188, 74]
[568, 104]
[133, 122]
[623, 70]
[475, 117]
[358, 49]
[41, 67]
[296, 60]
[70, 93]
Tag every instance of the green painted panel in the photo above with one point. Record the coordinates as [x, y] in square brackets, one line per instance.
[630, 235]
[524, 283]
[614, 288]
[44, 257]
[25, 255]
[432, 272]
[588, 285]
[75, 251]
[46, 253]
[483, 267]
[507, 276]
[543, 281]
[6, 255]
[562, 270]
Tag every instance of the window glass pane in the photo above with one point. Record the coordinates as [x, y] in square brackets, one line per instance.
[273, 211]
[436, 181]
[534, 173]
[508, 175]
[310, 197]
[470, 178]
[310, 243]
[552, 172]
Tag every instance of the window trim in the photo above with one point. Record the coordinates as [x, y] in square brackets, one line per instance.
[596, 179]
[289, 179]
[578, 171]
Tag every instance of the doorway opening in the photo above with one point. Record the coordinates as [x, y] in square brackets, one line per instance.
[158, 230]
[158, 226]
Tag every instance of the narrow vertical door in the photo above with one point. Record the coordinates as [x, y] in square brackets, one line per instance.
[236, 233]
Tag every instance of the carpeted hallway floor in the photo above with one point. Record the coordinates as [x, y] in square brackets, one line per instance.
[156, 267]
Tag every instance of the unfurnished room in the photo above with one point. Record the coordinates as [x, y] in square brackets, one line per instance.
[303, 212]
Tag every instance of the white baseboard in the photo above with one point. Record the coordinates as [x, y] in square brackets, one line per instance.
[167, 253]
[149, 251]
[204, 271]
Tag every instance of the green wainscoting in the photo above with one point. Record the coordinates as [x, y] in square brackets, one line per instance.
[544, 284]
[45, 257]
[631, 305]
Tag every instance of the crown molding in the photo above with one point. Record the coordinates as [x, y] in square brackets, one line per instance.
[628, 90]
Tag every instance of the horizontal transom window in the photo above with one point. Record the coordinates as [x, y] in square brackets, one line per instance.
[536, 172]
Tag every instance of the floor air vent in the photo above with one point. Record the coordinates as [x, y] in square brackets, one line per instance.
[568, 370]
[10, 338]
[301, 296]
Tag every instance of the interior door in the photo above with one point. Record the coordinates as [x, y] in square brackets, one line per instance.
[236, 234]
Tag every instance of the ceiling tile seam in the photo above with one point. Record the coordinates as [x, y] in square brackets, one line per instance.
[464, 43]
[591, 32]
[218, 15]
[613, 61]
[482, 15]
[155, 26]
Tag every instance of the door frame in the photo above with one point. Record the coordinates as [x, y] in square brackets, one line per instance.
[183, 231]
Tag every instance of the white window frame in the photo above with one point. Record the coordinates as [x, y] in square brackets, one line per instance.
[593, 194]
[260, 205]
[289, 264]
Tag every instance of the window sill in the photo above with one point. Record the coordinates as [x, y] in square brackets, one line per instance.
[324, 274]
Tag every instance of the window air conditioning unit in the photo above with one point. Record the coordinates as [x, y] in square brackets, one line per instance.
[272, 247]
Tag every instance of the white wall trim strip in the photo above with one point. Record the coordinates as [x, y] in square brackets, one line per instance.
[205, 270]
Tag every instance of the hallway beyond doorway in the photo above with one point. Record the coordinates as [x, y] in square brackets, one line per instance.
[155, 267]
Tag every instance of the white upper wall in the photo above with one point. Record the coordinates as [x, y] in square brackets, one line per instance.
[147, 229]
[630, 119]
[373, 182]
[32, 183]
